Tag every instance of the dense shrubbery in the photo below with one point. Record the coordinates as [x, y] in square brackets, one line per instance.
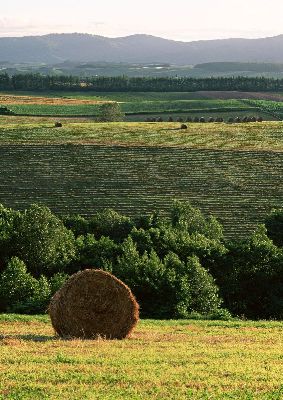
[176, 266]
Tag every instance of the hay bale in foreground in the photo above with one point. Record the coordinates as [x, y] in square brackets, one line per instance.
[94, 303]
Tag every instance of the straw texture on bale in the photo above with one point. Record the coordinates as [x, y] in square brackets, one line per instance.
[94, 303]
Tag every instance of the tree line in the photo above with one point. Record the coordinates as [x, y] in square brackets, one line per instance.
[178, 266]
[38, 82]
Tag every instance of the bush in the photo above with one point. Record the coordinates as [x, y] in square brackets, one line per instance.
[42, 241]
[274, 227]
[16, 285]
[110, 223]
[110, 112]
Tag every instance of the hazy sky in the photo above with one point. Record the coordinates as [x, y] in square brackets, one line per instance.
[178, 19]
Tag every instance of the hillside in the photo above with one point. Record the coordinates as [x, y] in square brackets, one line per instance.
[57, 48]
[230, 172]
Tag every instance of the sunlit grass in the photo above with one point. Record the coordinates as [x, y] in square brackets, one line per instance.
[161, 360]
[251, 136]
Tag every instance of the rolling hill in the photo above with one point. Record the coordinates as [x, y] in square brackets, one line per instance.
[57, 48]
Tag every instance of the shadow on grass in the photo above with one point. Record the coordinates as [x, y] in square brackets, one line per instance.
[30, 338]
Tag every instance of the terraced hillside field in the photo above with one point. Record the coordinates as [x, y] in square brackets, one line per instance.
[238, 187]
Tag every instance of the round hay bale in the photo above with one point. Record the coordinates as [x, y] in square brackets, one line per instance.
[58, 124]
[184, 126]
[92, 304]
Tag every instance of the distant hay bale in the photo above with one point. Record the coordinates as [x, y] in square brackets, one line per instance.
[211, 119]
[259, 119]
[58, 125]
[92, 304]
[184, 126]
[202, 119]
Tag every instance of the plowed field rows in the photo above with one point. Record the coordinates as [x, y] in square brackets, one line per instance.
[238, 187]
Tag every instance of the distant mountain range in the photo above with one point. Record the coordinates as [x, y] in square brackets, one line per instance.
[57, 48]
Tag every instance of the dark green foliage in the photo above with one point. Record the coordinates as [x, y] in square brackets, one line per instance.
[20, 292]
[7, 220]
[95, 253]
[77, 224]
[185, 217]
[167, 289]
[174, 265]
[110, 223]
[41, 240]
[250, 277]
[5, 111]
[16, 285]
[274, 227]
[37, 82]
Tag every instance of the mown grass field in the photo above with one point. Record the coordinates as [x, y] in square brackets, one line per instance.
[161, 360]
[233, 171]
[250, 136]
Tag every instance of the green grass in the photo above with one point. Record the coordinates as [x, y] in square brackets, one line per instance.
[275, 108]
[183, 105]
[161, 360]
[117, 96]
[56, 110]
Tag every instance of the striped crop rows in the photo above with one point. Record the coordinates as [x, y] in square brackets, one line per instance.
[237, 187]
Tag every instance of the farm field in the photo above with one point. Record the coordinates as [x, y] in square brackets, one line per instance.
[135, 105]
[161, 360]
[230, 171]
[149, 96]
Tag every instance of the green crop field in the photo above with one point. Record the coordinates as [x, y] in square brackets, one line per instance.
[136, 106]
[233, 171]
[56, 110]
[184, 105]
[161, 360]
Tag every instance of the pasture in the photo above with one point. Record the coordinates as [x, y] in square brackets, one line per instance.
[161, 360]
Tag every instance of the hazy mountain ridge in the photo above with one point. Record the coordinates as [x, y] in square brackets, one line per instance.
[56, 48]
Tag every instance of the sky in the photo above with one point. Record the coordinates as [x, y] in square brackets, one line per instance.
[183, 20]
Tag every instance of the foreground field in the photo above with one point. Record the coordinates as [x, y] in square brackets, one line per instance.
[161, 360]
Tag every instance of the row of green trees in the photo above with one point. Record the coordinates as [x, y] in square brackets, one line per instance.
[37, 82]
[176, 266]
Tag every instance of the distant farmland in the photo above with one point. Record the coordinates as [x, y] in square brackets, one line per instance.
[136, 106]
